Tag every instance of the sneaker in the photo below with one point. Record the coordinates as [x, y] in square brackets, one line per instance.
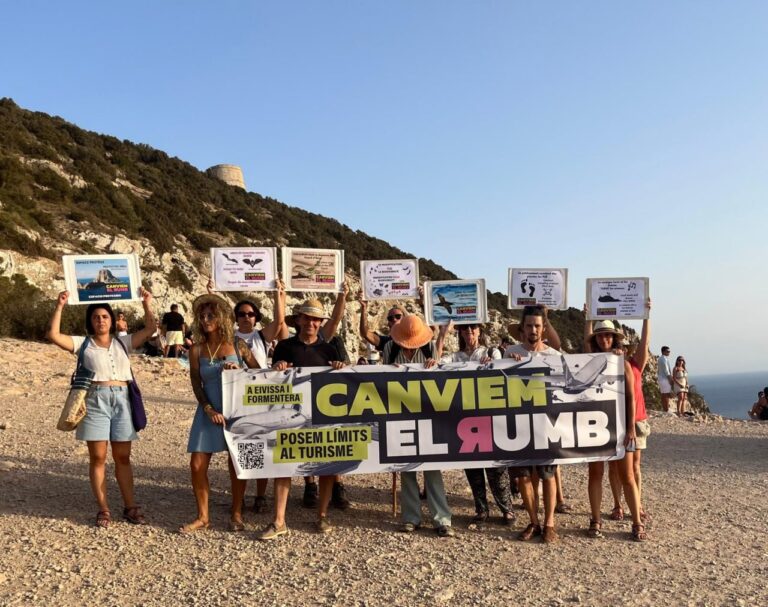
[445, 531]
[550, 535]
[339, 497]
[409, 527]
[310, 499]
[272, 531]
[323, 526]
[531, 531]
[260, 504]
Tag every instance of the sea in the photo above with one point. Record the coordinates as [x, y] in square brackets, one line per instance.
[731, 394]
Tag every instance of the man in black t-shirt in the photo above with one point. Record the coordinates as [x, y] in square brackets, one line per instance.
[305, 349]
[173, 328]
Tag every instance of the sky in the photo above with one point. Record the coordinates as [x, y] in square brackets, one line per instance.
[611, 138]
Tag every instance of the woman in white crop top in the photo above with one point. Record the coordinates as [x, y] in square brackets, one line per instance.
[108, 410]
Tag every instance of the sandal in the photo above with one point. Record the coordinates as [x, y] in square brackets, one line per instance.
[595, 529]
[563, 508]
[103, 519]
[196, 525]
[531, 531]
[480, 518]
[134, 515]
[236, 525]
[638, 533]
[645, 517]
[617, 514]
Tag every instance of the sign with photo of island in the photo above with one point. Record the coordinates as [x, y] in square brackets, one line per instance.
[617, 298]
[537, 286]
[244, 268]
[390, 279]
[462, 301]
[102, 278]
[313, 269]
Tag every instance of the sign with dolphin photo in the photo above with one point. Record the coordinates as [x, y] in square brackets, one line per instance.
[614, 298]
[313, 269]
[536, 286]
[387, 418]
[390, 278]
[462, 301]
[244, 268]
[102, 278]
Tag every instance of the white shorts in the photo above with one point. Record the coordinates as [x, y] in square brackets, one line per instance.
[664, 386]
[175, 338]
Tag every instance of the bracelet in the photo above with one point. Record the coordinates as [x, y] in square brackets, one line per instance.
[207, 406]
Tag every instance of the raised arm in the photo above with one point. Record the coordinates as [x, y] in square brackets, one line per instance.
[54, 333]
[641, 356]
[329, 328]
[629, 399]
[370, 336]
[150, 323]
[442, 333]
[277, 329]
[587, 332]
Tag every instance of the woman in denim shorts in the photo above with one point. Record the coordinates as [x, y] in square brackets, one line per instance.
[108, 410]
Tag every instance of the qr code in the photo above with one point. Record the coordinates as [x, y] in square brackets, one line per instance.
[250, 456]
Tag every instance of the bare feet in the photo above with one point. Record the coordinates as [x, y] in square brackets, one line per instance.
[196, 525]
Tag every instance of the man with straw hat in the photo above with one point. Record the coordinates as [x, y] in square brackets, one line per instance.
[305, 349]
[412, 343]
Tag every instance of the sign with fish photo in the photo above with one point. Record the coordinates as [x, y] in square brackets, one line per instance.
[617, 298]
[244, 268]
[390, 278]
[462, 301]
[537, 286]
[313, 269]
[102, 278]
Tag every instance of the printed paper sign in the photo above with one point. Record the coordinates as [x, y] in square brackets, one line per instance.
[461, 301]
[244, 268]
[313, 269]
[610, 298]
[102, 278]
[530, 287]
[366, 419]
[390, 279]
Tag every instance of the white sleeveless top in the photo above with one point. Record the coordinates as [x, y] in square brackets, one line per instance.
[108, 364]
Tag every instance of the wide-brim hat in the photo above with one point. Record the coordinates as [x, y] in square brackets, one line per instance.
[311, 307]
[411, 333]
[210, 299]
[606, 326]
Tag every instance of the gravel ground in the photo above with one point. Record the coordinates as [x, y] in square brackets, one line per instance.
[705, 483]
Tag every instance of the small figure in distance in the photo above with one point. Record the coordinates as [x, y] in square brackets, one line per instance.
[759, 410]
[680, 385]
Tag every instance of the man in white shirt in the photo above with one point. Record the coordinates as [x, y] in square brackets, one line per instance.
[664, 377]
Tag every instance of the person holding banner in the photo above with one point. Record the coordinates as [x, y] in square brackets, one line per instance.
[108, 409]
[215, 349]
[533, 328]
[247, 314]
[305, 349]
[412, 343]
[607, 337]
[472, 347]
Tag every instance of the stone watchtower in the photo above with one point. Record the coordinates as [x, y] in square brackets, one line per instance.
[228, 173]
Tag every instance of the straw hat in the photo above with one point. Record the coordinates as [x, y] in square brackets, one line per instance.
[606, 326]
[209, 299]
[411, 333]
[311, 307]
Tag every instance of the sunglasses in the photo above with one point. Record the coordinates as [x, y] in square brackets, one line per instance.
[468, 327]
[393, 317]
[206, 316]
[248, 314]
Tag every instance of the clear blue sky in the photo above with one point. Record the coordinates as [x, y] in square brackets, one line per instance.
[612, 138]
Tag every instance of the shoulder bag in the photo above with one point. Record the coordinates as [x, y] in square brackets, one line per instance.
[74, 409]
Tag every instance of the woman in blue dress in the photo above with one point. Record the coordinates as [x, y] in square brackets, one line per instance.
[214, 350]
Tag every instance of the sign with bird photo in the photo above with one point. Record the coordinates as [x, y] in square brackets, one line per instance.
[101, 278]
[244, 268]
[390, 279]
[537, 286]
[612, 298]
[462, 301]
[313, 269]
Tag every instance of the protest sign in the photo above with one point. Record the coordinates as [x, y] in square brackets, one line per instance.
[365, 419]
[461, 301]
[530, 287]
[623, 298]
[390, 279]
[102, 278]
[244, 268]
[313, 269]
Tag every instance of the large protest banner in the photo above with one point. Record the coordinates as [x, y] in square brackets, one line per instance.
[362, 419]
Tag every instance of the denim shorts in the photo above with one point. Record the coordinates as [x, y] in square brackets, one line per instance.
[107, 415]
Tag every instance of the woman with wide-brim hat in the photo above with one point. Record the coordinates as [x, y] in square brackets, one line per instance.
[412, 344]
[607, 337]
[214, 350]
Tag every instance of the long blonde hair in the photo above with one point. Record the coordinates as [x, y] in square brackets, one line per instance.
[223, 314]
